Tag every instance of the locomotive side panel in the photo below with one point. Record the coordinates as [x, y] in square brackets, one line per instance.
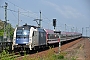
[42, 38]
[35, 39]
[38, 37]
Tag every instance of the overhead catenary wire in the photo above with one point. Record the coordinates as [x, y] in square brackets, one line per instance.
[28, 12]
[22, 13]
[13, 14]
[17, 12]
[23, 9]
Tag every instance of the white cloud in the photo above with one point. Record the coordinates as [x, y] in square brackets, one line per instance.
[66, 11]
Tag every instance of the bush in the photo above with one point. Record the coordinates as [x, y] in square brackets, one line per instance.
[6, 56]
[60, 56]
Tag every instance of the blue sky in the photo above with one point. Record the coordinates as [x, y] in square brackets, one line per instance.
[74, 13]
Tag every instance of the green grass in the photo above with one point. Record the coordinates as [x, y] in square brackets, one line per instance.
[51, 55]
[4, 55]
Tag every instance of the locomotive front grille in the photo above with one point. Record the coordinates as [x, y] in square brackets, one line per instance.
[21, 46]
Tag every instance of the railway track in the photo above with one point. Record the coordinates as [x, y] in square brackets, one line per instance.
[7, 56]
[79, 51]
[44, 52]
[39, 52]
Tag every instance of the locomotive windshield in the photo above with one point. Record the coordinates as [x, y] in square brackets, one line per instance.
[22, 32]
[22, 35]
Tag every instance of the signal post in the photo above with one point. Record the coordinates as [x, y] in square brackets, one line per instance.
[59, 32]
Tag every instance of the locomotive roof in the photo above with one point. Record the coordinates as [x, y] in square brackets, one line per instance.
[31, 26]
[40, 30]
[48, 31]
[26, 26]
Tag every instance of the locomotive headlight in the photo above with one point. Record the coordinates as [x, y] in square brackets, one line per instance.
[29, 40]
